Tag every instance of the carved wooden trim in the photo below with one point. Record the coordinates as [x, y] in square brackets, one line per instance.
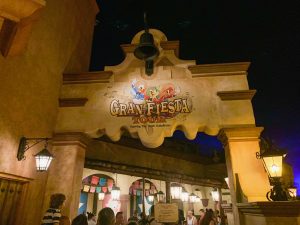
[236, 95]
[220, 69]
[170, 45]
[72, 102]
[150, 173]
[268, 209]
[71, 138]
[87, 78]
[9, 176]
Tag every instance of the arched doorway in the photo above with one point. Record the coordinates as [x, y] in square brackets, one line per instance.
[96, 194]
[136, 196]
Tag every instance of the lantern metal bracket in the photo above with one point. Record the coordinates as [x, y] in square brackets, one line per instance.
[24, 146]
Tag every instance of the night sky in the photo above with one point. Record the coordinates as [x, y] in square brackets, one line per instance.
[213, 31]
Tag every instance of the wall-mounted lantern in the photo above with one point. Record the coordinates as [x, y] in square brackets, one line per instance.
[42, 159]
[272, 159]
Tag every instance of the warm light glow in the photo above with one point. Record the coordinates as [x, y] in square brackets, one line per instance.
[151, 198]
[184, 196]
[43, 160]
[101, 196]
[215, 195]
[176, 191]
[197, 199]
[193, 198]
[115, 193]
[274, 165]
[293, 192]
[227, 181]
[160, 196]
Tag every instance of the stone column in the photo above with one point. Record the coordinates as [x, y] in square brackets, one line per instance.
[65, 171]
[248, 180]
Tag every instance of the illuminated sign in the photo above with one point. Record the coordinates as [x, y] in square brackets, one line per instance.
[151, 104]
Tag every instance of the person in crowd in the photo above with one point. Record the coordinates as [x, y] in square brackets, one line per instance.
[106, 216]
[64, 220]
[134, 217]
[91, 218]
[180, 217]
[80, 220]
[119, 218]
[208, 218]
[53, 214]
[191, 219]
[201, 213]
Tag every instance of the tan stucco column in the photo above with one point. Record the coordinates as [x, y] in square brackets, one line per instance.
[65, 171]
[248, 180]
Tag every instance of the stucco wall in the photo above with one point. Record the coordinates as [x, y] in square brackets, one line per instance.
[30, 85]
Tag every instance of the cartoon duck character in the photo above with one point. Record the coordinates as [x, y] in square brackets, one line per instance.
[138, 91]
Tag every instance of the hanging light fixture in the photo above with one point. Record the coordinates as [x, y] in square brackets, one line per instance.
[115, 192]
[192, 198]
[146, 49]
[160, 195]
[197, 199]
[151, 198]
[42, 159]
[215, 195]
[176, 190]
[184, 195]
[101, 195]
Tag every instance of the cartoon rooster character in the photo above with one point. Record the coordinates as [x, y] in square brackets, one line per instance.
[167, 91]
[138, 91]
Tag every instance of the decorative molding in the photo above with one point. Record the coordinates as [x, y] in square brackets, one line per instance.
[72, 102]
[236, 95]
[17, 10]
[171, 45]
[9, 176]
[149, 173]
[128, 48]
[71, 138]
[271, 209]
[19, 17]
[87, 78]
[239, 134]
[220, 69]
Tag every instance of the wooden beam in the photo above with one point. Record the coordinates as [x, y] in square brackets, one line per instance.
[150, 173]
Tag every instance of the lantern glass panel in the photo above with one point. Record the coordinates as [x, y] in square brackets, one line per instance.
[115, 193]
[184, 196]
[273, 165]
[215, 196]
[42, 162]
[176, 192]
[101, 196]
